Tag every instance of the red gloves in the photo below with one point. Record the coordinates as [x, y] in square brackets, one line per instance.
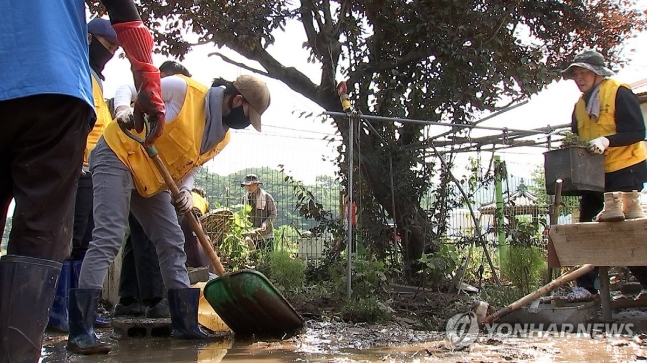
[137, 42]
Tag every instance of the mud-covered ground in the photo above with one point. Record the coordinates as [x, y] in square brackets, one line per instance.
[414, 308]
[408, 337]
[344, 342]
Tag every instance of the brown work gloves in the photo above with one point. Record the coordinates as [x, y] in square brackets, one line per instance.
[183, 202]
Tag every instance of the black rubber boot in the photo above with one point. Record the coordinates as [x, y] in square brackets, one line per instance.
[58, 313]
[82, 312]
[27, 288]
[183, 305]
[99, 322]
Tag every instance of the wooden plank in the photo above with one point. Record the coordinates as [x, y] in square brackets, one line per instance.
[627, 304]
[553, 260]
[601, 244]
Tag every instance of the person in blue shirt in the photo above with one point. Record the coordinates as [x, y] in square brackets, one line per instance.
[48, 110]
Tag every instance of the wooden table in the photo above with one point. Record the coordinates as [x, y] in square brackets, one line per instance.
[602, 244]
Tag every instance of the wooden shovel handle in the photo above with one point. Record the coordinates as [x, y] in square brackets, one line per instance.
[569, 276]
[193, 221]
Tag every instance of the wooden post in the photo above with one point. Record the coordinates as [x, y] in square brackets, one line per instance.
[605, 295]
[553, 261]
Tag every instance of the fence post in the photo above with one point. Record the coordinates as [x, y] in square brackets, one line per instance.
[499, 213]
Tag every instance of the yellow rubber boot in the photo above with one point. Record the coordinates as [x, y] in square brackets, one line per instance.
[612, 211]
[631, 205]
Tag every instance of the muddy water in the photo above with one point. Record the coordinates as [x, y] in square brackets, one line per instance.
[326, 342]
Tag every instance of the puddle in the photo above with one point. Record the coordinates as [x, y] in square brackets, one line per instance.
[339, 342]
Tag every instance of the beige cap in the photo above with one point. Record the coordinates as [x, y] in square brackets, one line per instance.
[257, 94]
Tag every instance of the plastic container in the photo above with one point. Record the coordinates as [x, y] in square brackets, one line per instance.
[643, 198]
[579, 170]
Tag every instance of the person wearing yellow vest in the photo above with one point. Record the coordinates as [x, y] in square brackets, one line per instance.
[141, 289]
[198, 119]
[608, 116]
[102, 44]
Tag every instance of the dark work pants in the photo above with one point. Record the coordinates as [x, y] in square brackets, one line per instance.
[41, 151]
[195, 255]
[83, 220]
[623, 180]
[140, 271]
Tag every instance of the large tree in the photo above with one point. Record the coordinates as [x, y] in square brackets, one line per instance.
[441, 60]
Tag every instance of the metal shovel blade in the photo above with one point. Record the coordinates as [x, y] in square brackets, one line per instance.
[250, 305]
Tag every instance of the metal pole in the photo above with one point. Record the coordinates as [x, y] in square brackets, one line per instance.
[433, 123]
[499, 214]
[349, 208]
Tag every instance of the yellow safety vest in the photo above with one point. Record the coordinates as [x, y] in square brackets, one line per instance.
[178, 146]
[615, 158]
[103, 118]
[200, 203]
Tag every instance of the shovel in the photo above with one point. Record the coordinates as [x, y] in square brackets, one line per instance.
[245, 300]
[569, 276]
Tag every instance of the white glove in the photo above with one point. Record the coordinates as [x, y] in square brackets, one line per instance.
[597, 146]
[183, 202]
[263, 227]
[124, 115]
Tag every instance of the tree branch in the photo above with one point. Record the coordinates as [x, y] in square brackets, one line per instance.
[364, 68]
[238, 64]
[308, 25]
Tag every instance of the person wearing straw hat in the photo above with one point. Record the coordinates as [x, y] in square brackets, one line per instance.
[198, 119]
[262, 212]
[608, 116]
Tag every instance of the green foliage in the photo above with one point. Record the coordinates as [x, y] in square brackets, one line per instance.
[286, 271]
[444, 63]
[285, 238]
[523, 231]
[234, 249]
[524, 267]
[571, 139]
[365, 310]
[309, 206]
[500, 296]
[369, 277]
[477, 178]
[477, 270]
[438, 266]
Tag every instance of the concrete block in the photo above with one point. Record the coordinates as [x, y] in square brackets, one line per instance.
[129, 328]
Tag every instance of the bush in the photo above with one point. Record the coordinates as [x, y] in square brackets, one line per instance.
[438, 266]
[524, 267]
[500, 296]
[366, 310]
[285, 271]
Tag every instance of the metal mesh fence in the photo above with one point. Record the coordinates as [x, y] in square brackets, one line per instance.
[289, 163]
